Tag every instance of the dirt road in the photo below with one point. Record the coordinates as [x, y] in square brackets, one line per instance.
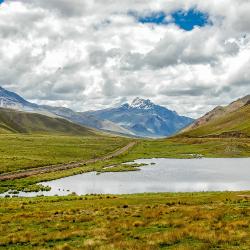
[53, 168]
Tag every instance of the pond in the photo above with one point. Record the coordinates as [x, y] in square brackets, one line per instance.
[164, 175]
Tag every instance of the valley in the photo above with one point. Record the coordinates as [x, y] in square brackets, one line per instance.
[124, 125]
[37, 148]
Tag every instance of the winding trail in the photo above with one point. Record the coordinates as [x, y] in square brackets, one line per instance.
[66, 166]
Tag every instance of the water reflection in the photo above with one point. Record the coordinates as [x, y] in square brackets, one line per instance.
[166, 175]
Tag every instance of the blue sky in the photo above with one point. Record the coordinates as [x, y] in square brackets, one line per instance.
[186, 20]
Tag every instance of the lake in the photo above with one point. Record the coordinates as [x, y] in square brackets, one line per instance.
[165, 175]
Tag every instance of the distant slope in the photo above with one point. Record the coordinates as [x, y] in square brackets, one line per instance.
[233, 121]
[24, 122]
[144, 118]
[217, 113]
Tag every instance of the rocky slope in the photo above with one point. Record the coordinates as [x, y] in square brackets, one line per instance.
[231, 120]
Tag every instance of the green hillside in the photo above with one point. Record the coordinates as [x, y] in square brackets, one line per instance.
[22, 122]
[236, 123]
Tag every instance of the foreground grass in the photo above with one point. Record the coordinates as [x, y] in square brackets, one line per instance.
[146, 221]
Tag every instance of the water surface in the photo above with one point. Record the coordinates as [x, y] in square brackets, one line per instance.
[166, 175]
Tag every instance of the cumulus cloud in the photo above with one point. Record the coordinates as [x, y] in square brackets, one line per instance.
[95, 54]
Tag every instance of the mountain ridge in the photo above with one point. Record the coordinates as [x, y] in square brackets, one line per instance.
[144, 118]
[232, 120]
[218, 112]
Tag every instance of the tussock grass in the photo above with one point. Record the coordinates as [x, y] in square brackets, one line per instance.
[145, 221]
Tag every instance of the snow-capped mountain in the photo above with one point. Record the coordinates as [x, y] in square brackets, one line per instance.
[139, 103]
[140, 118]
[144, 118]
[11, 100]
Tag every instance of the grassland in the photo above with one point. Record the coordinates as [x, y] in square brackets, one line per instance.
[185, 147]
[146, 221]
[25, 151]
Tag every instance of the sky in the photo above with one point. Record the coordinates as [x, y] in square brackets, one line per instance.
[187, 55]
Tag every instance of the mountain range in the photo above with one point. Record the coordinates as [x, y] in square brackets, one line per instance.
[140, 118]
[11, 100]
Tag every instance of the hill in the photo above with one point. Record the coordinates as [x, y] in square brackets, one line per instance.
[24, 122]
[232, 120]
[144, 118]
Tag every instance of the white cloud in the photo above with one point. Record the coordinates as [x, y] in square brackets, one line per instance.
[93, 54]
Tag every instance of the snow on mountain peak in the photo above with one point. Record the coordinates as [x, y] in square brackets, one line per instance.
[139, 103]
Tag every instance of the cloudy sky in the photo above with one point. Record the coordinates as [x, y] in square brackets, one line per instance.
[188, 55]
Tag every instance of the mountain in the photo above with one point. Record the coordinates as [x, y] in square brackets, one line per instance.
[144, 118]
[11, 100]
[25, 122]
[231, 120]
[140, 118]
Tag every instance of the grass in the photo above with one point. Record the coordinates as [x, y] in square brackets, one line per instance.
[25, 151]
[121, 168]
[145, 221]
[185, 147]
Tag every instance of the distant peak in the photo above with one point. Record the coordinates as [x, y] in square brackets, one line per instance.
[140, 103]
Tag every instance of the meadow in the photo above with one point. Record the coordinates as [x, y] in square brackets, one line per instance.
[25, 151]
[146, 221]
